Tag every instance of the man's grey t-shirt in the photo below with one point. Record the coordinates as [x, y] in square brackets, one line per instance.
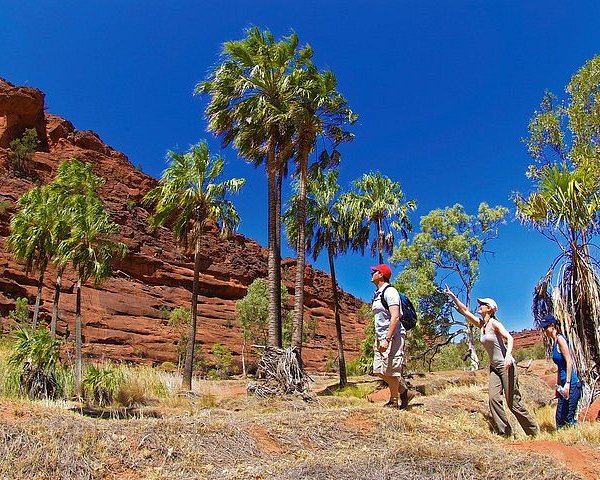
[382, 316]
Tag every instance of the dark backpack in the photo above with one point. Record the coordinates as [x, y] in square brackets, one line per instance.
[409, 314]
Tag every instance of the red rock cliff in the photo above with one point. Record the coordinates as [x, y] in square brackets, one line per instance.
[122, 319]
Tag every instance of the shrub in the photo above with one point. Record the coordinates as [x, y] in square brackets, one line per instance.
[35, 354]
[101, 383]
[535, 352]
[180, 316]
[20, 315]
[223, 360]
[21, 149]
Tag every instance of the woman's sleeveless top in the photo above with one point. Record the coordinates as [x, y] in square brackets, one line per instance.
[494, 346]
[561, 363]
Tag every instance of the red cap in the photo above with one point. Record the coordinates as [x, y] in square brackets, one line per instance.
[384, 270]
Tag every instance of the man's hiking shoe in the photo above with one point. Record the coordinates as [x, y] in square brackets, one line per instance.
[405, 398]
[391, 404]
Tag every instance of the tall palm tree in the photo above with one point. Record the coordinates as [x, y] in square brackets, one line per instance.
[74, 180]
[34, 234]
[90, 249]
[327, 227]
[318, 110]
[187, 199]
[250, 95]
[377, 201]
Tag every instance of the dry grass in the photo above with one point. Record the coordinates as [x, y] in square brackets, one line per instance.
[215, 434]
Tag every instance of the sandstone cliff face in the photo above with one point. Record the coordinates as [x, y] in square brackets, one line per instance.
[122, 319]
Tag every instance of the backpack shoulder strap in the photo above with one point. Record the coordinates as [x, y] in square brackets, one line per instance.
[382, 298]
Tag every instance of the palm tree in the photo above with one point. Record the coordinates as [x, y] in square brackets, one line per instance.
[564, 207]
[90, 250]
[318, 111]
[250, 95]
[34, 235]
[187, 199]
[327, 228]
[377, 201]
[74, 180]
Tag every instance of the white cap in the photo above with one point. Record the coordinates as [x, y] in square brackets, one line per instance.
[489, 302]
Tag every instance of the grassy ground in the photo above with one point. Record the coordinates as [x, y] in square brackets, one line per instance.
[222, 434]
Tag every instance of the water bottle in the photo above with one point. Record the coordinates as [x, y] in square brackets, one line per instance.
[561, 391]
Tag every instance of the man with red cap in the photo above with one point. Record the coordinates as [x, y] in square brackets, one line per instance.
[389, 335]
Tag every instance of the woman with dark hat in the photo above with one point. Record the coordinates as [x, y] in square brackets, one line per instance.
[504, 382]
[568, 386]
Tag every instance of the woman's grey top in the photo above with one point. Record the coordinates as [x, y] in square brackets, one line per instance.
[493, 343]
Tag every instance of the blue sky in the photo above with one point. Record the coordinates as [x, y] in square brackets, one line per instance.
[444, 91]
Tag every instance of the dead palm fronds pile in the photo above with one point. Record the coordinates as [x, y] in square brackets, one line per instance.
[575, 301]
[282, 373]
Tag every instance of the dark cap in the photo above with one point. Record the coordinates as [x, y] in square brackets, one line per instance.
[548, 320]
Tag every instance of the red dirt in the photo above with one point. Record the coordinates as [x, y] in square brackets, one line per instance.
[581, 459]
[357, 422]
[265, 442]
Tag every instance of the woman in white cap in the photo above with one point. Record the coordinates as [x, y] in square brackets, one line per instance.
[504, 382]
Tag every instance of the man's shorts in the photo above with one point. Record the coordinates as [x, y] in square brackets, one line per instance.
[389, 362]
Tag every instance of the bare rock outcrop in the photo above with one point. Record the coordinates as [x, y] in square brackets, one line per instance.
[123, 319]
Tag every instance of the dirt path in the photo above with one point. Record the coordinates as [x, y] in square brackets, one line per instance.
[580, 459]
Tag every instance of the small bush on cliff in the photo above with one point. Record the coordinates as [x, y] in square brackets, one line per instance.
[21, 150]
[20, 315]
[179, 316]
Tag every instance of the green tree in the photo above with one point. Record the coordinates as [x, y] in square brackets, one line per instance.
[74, 182]
[253, 314]
[250, 94]
[564, 144]
[36, 230]
[90, 249]
[450, 244]
[22, 149]
[376, 202]
[187, 199]
[327, 229]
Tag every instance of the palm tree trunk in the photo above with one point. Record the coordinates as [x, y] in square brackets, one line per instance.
[189, 353]
[55, 302]
[78, 360]
[300, 253]
[338, 323]
[380, 241]
[274, 261]
[38, 297]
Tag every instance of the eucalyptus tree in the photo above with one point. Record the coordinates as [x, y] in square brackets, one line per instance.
[327, 228]
[450, 244]
[188, 198]
[250, 94]
[377, 202]
[564, 205]
[318, 111]
[34, 234]
[90, 249]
